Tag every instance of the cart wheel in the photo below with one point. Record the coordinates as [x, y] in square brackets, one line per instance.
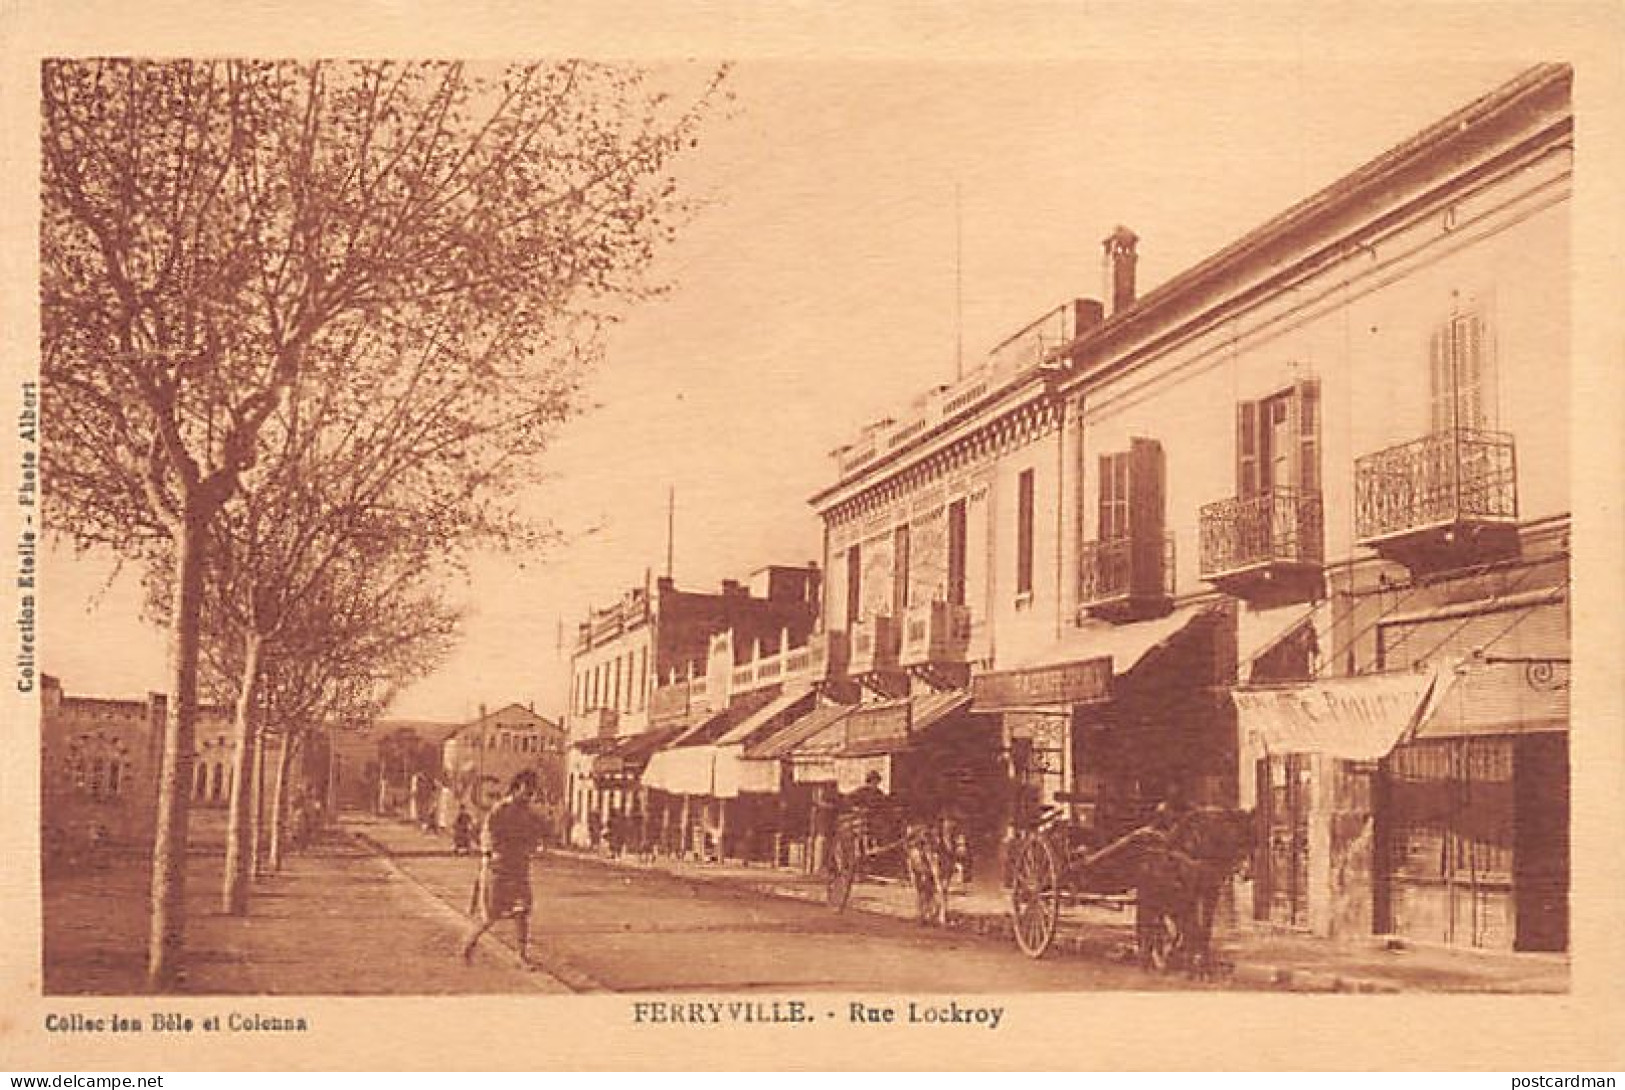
[843, 871]
[1035, 895]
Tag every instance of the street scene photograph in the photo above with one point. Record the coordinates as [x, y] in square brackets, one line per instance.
[936, 528]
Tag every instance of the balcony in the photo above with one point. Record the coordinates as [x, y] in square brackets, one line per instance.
[1130, 579]
[1441, 501]
[1264, 547]
[826, 653]
[874, 647]
[935, 633]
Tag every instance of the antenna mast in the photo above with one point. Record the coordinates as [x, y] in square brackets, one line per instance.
[959, 286]
[671, 521]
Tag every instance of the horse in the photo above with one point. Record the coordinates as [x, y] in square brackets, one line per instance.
[933, 847]
[1180, 882]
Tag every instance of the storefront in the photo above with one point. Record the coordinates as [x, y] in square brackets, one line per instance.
[687, 798]
[1308, 766]
[934, 756]
[1474, 814]
[1116, 718]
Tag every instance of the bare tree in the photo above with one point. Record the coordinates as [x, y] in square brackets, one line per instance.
[215, 233]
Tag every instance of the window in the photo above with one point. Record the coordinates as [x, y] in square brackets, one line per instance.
[1130, 521]
[1278, 442]
[956, 552]
[1024, 532]
[854, 586]
[1114, 496]
[643, 677]
[1459, 376]
[899, 569]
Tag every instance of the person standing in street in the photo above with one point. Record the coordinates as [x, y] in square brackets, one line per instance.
[508, 838]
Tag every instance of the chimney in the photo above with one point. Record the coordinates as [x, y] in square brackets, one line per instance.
[1118, 269]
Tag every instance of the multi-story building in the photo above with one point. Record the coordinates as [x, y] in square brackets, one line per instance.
[657, 636]
[1288, 532]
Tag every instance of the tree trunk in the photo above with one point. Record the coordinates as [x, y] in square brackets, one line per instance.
[234, 890]
[167, 925]
[279, 804]
[256, 830]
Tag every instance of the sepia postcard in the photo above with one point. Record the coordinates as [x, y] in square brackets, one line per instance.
[903, 536]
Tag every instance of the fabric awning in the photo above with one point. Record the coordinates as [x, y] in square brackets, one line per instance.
[734, 774]
[1502, 698]
[1080, 667]
[1357, 719]
[684, 770]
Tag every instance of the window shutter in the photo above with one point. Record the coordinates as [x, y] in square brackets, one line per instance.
[900, 573]
[1145, 514]
[1308, 431]
[1440, 384]
[957, 541]
[1469, 330]
[1113, 497]
[1247, 423]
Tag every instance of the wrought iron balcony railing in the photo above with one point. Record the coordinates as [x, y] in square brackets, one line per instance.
[1126, 568]
[1281, 527]
[1449, 477]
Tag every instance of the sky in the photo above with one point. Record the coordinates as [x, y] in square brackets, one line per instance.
[866, 228]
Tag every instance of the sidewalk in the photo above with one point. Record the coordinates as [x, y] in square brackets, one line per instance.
[1284, 961]
[338, 920]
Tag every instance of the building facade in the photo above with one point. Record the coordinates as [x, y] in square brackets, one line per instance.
[661, 635]
[99, 763]
[1288, 533]
[478, 760]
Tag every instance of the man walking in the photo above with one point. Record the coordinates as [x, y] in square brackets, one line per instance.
[507, 839]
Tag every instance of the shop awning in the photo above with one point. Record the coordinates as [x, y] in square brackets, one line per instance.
[628, 756]
[889, 726]
[1079, 668]
[1357, 719]
[783, 742]
[721, 722]
[1269, 640]
[736, 770]
[820, 736]
[1509, 697]
[765, 719]
[684, 770]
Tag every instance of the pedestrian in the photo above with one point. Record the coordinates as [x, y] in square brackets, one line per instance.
[509, 837]
[462, 832]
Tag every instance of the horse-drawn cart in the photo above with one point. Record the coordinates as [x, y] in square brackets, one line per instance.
[922, 851]
[1171, 876]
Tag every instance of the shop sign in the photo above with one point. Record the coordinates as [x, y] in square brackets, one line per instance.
[868, 726]
[813, 770]
[1064, 683]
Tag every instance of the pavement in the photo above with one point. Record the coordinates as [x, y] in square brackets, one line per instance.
[1253, 958]
[338, 920]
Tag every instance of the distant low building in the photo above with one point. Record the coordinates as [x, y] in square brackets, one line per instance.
[478, 759]
[99, 763]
